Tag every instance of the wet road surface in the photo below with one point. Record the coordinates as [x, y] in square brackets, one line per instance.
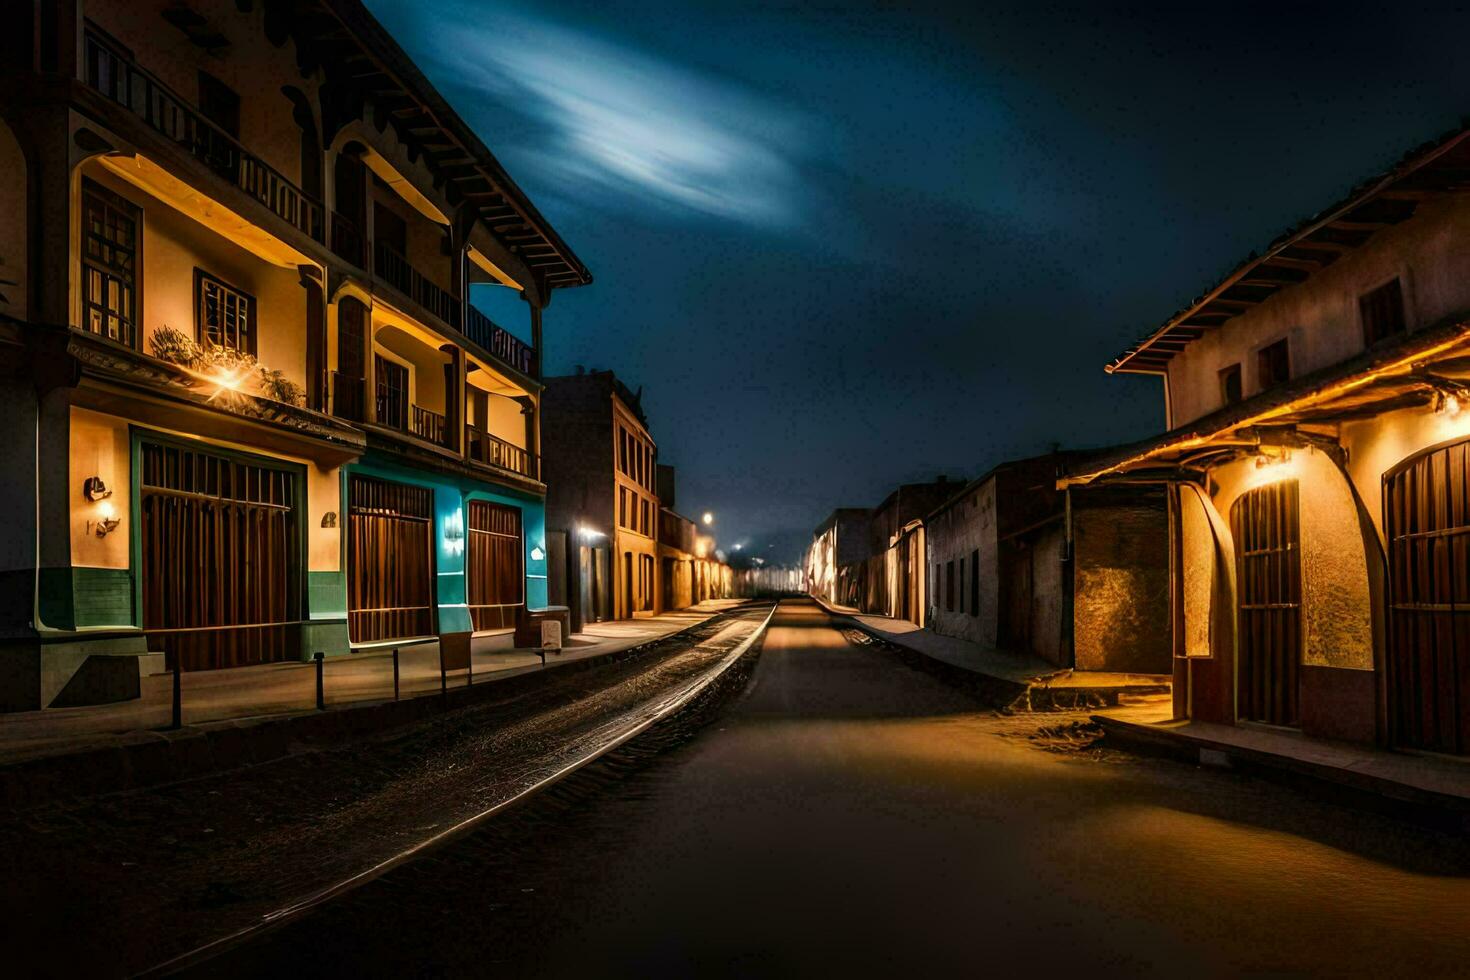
[848, 815]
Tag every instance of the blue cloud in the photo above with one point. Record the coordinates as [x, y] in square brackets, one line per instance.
[606, 118]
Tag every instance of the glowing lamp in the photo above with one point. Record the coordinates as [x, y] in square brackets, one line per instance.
[537, 554]
[708, 518]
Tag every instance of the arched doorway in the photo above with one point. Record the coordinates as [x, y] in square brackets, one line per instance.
[1426, 503]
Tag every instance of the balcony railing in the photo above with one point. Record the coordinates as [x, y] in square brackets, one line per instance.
[495, 451]
[347, 397]
[396, 270]
[347, 240]
[494, 338]
[428, 425]
[111, 73]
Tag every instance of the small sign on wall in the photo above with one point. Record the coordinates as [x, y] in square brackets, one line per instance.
[551, 634]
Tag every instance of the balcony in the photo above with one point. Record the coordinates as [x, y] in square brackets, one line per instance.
[428, 425]
[111, 73]
[395, 412]
[395, 270]
[495, 451]
[484, 331]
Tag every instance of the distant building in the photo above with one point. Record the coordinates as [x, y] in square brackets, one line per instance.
[1317, 467]
[836, 560]
[895, 577]
[600, 464]
[1082, 583]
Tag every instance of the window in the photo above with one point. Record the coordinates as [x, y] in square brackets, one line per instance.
[975, 582]
[1230, 384]
[1383, 313]
[1273, 364]
[622, 506]
[647, 520]
[392, 392]
[949, 585]
[961, 590]
[223, 315]
[111, 240]
[219, 103]
[389, 229]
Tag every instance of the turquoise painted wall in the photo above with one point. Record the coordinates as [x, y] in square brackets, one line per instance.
[450, 495]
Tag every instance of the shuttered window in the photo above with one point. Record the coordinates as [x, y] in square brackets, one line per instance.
[390, 575]
[496, 585]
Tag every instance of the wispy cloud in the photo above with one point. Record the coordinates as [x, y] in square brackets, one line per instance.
[625, 121]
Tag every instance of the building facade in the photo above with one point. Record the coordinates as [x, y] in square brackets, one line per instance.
[250, 411]
[1318, 470]
[1079, 580]
[895, 577]
[601, 465]
[837, 560]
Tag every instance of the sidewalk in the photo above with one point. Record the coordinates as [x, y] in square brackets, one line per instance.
[1429, 784]
[278, 689]
[1037, 683]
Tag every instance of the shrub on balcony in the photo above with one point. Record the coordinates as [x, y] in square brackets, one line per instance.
[277, 387]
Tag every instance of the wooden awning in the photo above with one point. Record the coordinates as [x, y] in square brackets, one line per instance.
[1428, 367]
[1387, 199]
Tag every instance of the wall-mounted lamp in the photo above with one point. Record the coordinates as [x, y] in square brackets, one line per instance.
[94, 489]
[587, 534]
[537, 554]
[454, 533]
[106, 521]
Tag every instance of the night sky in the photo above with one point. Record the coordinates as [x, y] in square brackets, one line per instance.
[847, 246]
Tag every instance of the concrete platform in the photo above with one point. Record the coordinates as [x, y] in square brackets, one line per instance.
[1038, 684]
[1422, 785]
[247, 693]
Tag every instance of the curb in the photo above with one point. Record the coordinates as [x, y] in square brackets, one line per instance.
[303, 906]
[1358, 789]
[146, 758]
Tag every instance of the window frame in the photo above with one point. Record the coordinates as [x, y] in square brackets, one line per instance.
[203, 278]
[1237, 371]
[1395, 283]
[115, 201]
[1263, 353]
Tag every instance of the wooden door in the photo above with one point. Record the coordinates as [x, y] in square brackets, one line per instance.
[1427, 520]
[496, 583]
[1267, 534]
[221, 559]
[390, 569]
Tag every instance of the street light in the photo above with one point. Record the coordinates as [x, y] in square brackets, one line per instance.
[708, 518]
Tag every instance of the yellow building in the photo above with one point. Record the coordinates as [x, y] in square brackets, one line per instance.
[249, 410]
[1318, 466]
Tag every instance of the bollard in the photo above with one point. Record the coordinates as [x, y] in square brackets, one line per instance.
[321, 694]
[443, 680]
[395, 673]
[177, 721]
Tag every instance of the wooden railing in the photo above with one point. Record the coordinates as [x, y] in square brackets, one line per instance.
[397, 272]
[347, 240]
[495, 451]
[495, 339]
[111, 73]
[428, 425]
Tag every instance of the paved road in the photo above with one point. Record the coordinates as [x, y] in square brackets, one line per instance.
[851, 816]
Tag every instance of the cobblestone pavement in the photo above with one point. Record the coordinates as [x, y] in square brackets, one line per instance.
[852, 816]
[117, 884]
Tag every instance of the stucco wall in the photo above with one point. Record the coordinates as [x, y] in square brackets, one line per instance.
[966, 526]
[1321, 316]
[1121, 592]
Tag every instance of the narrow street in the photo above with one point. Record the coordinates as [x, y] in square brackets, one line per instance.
[848, 815]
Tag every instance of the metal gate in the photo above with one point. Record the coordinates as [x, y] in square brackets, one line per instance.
[221, 559]
[1427, 520]
[390, 570]
[1268, 567]
[496, 583]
